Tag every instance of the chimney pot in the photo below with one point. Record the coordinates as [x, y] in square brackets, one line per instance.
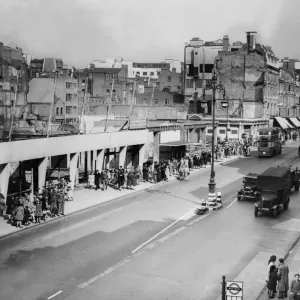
[225, 43]
[251, 40]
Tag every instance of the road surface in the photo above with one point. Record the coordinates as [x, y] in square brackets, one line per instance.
[149, 245]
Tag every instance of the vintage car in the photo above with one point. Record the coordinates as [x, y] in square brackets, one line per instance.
[249, 191]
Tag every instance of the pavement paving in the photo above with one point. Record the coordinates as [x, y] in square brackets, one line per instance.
[88, 198]
[151, 245]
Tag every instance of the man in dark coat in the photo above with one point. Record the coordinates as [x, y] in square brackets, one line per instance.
[121, 177]
[97, 180]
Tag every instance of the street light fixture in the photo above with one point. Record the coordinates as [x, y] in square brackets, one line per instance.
[215, 87]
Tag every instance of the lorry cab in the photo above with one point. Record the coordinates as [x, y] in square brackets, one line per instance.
[274, 189]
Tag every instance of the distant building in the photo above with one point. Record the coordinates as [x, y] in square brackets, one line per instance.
[67, 102]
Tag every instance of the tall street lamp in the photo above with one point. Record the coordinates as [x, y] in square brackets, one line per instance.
[215, 87]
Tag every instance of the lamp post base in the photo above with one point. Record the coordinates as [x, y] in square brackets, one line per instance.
[211, 185]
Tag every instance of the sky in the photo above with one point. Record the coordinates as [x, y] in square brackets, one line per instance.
[79, 31]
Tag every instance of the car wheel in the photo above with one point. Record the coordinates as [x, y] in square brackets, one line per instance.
[255, 211]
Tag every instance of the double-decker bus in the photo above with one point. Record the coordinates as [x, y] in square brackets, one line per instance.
[269, 141]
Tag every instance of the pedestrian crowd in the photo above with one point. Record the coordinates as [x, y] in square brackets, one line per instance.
[50, 202]
[278, 280]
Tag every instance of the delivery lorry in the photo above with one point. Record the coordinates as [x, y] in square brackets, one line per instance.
[274, 187]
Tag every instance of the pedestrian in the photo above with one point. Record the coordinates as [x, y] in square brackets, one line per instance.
[104, 179]
[283, 282]
[155, 174]
[175, 166]
[295, 288]
[19, 215]
[138, 173]
[60, 203]
[121, 178]
[70, 190]
[130, 179]
[272, 281]
[145, 173]
[97, 180]
[38, 211]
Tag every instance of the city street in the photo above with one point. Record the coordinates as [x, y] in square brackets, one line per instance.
[151, 245]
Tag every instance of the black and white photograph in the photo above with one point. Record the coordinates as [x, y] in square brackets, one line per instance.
[149, 150]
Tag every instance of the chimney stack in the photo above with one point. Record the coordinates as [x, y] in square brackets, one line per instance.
[225, 43]
[251, 40]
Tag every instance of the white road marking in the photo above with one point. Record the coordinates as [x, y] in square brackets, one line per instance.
[231, 203]
[54, 295]
[106, 272]
[162, 231]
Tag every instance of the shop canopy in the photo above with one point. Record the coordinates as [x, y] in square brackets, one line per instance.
[177, 144]
[281, 122]
[296, 122]
[289, 123]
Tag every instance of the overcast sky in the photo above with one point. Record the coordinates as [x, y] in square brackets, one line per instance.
[80, 31]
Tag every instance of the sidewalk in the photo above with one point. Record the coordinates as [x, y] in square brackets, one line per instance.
[87, 198]
[292, 259]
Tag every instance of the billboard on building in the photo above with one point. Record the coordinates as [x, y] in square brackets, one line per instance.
[169, 136]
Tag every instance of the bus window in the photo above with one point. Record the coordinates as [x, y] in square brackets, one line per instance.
[263, 144]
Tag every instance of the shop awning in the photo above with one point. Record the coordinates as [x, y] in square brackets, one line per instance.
[295, 122]
[286, 120]
[177, 144]
[281, 122]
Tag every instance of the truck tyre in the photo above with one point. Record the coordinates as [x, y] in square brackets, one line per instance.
[255, 211]
[274, 213]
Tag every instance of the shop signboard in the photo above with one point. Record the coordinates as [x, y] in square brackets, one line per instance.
[28, 176]
[137, 123]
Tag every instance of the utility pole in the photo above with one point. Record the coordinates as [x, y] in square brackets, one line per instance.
[52, 103]
[110, 102]
[13, 111]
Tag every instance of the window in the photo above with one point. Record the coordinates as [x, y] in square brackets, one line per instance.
[208, 68]
[83, 80]
[144, 73]
[57, 110]
[234, 131]
[222, 131]
[155, 101]
[196, 53]
[68, 97]
[70, 85]
[68, 109]
[137, 73]
[107, 91]
[209, 131]
[198, 83]
[151, 73]
[83, 90]
[189, 83]
[169, 78]
[166, 102]
[114, 91]
[74, 107]
[61, 111]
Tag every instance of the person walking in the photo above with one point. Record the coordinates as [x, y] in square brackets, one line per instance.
[60, 203]
[145, 173]
[283, 282]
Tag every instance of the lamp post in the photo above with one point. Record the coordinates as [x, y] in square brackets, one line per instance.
[225, 104]
[215, 87]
